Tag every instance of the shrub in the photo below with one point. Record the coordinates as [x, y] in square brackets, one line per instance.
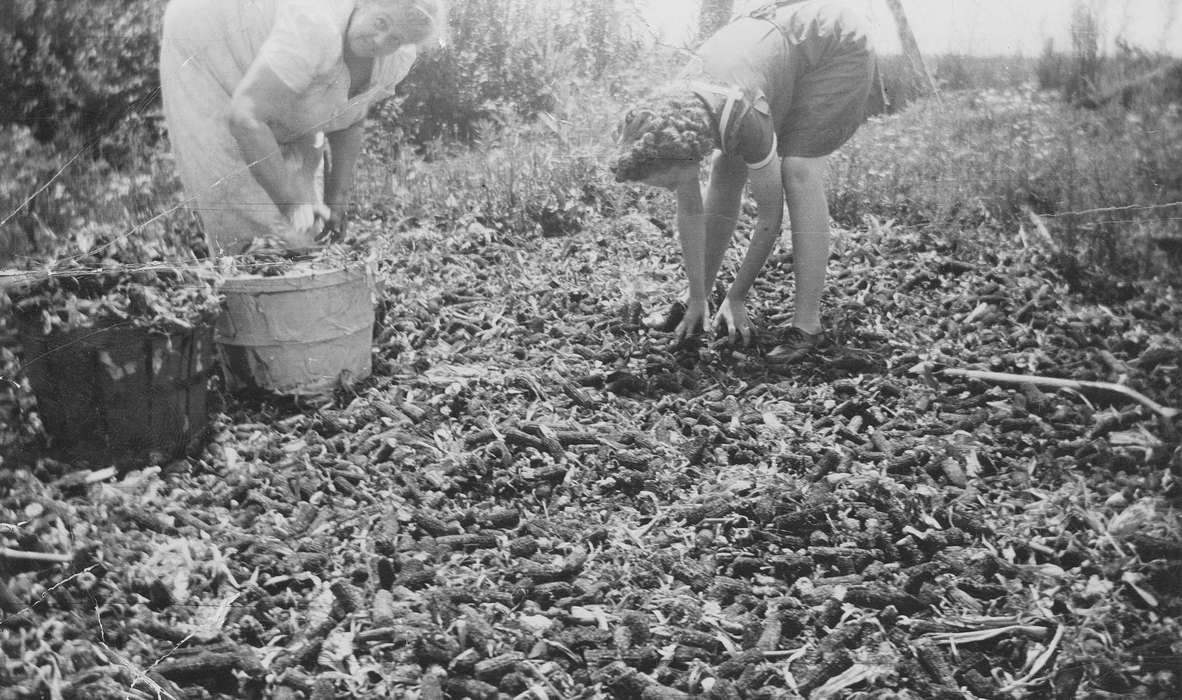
[504, 57]
[1105, 182]
[78, 67]
[1051, 71]
[1084, 77]
[965, 72]
[543, 176]
[53, 199]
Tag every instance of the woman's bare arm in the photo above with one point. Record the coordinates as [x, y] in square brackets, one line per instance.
[724, 195]
[768, 192]
[258, 103]
[344, 149]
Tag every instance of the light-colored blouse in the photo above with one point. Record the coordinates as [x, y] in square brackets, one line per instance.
[206, 50]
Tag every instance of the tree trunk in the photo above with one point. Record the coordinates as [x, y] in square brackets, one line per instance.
[715, 13]
[919, 68]
[602, 14]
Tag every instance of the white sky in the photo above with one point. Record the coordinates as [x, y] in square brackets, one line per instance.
[983, 26]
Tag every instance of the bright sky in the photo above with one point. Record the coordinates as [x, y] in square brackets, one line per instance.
[984, 26]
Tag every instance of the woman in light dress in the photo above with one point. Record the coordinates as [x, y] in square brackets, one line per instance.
[255, 92]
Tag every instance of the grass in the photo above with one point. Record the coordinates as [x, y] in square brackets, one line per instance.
[1104, 183]
[546, 175]
[541, 176]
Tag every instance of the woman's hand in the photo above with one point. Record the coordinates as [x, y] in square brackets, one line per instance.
[732, 316]
[333, 230]
[694, 321]
[304, 220]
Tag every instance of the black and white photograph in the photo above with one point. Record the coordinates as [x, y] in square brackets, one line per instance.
[591, 349]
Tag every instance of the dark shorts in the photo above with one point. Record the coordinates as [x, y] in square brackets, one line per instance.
[828, 105]
[814, 63]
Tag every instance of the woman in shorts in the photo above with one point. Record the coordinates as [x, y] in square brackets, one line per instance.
[771, 95]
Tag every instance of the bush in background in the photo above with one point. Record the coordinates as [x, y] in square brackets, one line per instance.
[1103, 181]
[1088, 77]
[1084, 77]
[963, 72]
[50, 199]
[510, 57]
[74, 70]
[515, 176]
[951, 72]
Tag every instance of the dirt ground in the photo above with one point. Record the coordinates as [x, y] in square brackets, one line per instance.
[536, 497]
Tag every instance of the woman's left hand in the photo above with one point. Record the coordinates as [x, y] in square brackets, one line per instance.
[732, 316]
[333, 230]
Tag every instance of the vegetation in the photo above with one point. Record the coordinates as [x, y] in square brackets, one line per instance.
[509, 58]
[1104, 183]
[78, 68]
[512, 123]
[536, 496]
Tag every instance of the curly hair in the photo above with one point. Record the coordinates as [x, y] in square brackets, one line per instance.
[667, 130]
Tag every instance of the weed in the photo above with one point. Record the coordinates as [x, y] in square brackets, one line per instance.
[58, 198]
[1107, 181]
[542, 176]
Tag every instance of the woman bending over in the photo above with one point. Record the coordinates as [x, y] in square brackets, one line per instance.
[769, 97]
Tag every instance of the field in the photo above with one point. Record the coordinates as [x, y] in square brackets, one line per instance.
[536, 497]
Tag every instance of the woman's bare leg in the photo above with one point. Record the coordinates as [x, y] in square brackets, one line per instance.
[808, 212]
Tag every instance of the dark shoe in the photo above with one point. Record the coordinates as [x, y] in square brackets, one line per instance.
[668, 321]
[795, 344]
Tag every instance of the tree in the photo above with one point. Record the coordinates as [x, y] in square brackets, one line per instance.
[1085, 51]
[77, 66]
[919, 68]
[714, 14]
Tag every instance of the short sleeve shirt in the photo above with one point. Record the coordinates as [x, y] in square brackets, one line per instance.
[305, 49]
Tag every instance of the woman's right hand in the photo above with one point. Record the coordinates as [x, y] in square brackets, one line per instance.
[732, 319]
[694, 322]
[304, 220]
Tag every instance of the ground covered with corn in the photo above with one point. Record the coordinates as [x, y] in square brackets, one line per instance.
[536, 497]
